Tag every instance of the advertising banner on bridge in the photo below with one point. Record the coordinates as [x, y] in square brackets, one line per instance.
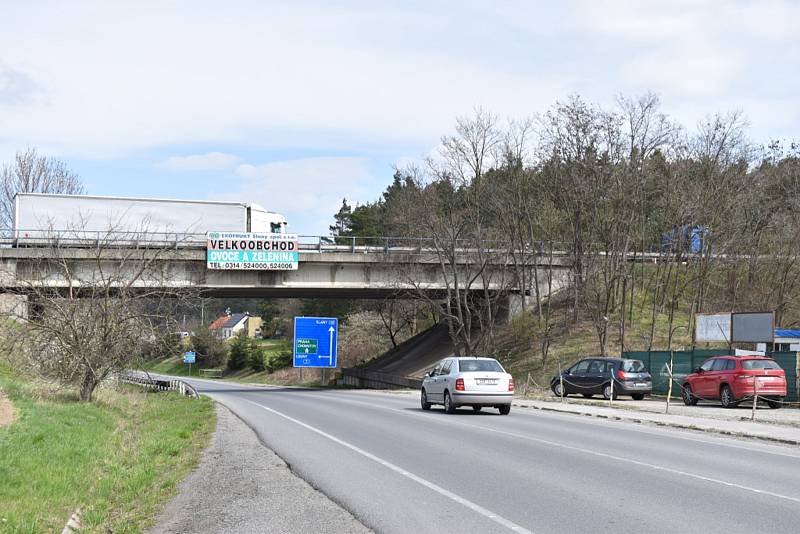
[252, 251]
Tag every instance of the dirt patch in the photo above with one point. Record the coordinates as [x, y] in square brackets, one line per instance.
[7, 411]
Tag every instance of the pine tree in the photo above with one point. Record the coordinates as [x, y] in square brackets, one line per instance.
[343, 220]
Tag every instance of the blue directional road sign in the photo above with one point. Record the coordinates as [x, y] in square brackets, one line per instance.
[189, 356]
[315, 341]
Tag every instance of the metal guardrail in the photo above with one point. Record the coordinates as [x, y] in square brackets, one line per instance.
[158, 384]
[374, 379]
[22, 238]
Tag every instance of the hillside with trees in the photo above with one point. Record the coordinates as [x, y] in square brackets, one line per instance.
[659, 222]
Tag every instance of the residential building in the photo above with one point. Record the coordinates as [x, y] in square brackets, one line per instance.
[231, 324]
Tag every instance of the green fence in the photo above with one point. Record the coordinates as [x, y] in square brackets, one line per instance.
[686, 361]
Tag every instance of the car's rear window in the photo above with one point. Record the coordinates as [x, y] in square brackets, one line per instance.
[467, 366]
[633, 366]
[760, 364]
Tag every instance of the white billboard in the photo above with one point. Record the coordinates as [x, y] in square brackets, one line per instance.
[252, 251]
[712, 327]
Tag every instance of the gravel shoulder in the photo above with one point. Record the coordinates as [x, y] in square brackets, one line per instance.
[241, 486]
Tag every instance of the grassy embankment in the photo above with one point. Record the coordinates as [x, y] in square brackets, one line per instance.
[520, 341]
[118, 459]
[175, 367]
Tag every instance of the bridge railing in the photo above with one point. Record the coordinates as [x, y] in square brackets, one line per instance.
[37, 238]
[33, 238]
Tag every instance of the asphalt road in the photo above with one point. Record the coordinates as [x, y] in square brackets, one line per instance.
[399, 469]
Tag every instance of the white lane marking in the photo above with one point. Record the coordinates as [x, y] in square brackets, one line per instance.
[716, 441]
[632, 461]
[596, 453]
[674, 433]
[419, 480]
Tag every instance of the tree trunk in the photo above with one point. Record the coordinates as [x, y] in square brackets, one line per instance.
[88, 385]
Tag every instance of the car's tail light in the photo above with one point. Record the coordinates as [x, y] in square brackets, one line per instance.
[459, 384]
[621, 374]
[744, 377]
[510, 384]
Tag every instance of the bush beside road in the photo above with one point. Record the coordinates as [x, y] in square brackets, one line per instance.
[118, 459]
[277, 360]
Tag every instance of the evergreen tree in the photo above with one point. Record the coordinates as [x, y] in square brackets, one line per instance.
[240, 352]
[342, 220]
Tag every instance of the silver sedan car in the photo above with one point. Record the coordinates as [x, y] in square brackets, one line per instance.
[475, 382]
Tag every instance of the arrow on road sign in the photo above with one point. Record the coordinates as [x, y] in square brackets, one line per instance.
[331, 330]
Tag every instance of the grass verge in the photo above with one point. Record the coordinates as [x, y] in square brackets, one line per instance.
[174, 366]
[119, 458]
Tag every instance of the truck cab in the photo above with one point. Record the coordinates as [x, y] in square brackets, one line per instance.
[260, 220]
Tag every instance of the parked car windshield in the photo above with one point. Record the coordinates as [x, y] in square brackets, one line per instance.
[633, 366]
[467, 366]
[759, 364]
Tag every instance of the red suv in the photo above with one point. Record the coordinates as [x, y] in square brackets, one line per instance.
[733, 378]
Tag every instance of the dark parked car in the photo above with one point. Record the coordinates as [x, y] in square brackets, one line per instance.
[592, 376]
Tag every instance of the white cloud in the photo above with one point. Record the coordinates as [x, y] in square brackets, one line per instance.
[211, 161]
[16, 87]
[118, 78]
[307, 191]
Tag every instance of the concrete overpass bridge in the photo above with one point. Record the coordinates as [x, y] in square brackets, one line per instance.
[358, 269]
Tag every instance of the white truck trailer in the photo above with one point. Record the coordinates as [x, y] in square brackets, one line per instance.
[38, 216]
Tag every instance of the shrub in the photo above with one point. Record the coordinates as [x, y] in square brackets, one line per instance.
[255, 359]
[278, 360]
[239, 355]
[211, 351]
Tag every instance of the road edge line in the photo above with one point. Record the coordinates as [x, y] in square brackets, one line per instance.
[652, 422]
[399, 470]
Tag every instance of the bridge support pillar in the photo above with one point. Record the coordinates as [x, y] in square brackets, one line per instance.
[510, 306]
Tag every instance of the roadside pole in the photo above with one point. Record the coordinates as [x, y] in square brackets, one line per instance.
[669, 371]
[561, 379]
[755, 398]
[611, 397]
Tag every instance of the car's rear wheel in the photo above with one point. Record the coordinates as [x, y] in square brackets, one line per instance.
[607, 392]
[449, 407]
[476, 409]
[726, 397]
[688, 397]
[504, 409]
[637, 396]
[587, 395]
[423, 400]
[557, 389]
[775, 404]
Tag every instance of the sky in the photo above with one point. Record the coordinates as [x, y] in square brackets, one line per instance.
[297, 105]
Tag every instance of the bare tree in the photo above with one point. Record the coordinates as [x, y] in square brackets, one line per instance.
[33, 173]
[95, 306]
[453, 208]
[399, 316]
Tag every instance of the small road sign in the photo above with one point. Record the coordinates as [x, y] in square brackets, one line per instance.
[315, 341]
[189, 356]
[307, 346]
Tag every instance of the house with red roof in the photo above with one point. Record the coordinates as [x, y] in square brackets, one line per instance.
[230, 324]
